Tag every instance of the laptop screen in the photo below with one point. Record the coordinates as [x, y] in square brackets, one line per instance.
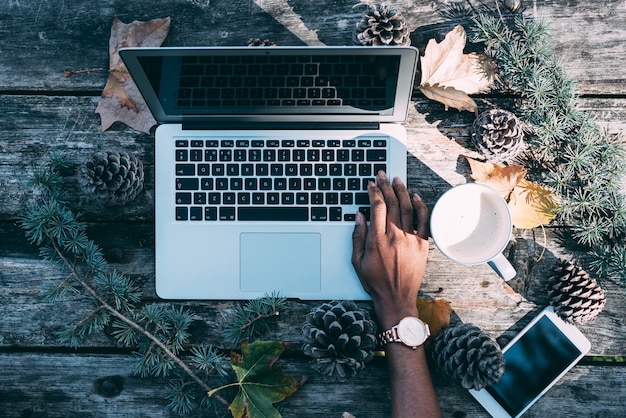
[191, 83]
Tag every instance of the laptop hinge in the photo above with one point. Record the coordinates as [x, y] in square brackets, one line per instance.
[289, 126]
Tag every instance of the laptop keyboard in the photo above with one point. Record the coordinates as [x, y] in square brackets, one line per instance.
[317, 180]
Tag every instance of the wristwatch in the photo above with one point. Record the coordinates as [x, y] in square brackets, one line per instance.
[410, 331]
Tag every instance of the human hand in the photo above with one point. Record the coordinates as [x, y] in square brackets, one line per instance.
[389, 256]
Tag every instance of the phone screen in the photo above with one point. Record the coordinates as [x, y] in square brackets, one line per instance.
[531, 364]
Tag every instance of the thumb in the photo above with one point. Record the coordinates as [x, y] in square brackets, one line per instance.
[358, 241]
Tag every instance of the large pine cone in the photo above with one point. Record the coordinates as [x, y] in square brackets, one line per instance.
[576, 297]
[340, 337]
[498, 135]
[467, 356]
[382, 25]
[115, 176]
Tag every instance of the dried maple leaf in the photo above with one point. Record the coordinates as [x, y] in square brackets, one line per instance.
[260, 384]
[120, 100]
[502, 179]
[531, 204]
[434, 312]
[449, 75]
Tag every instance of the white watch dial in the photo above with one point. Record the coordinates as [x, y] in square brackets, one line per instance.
[412, 331]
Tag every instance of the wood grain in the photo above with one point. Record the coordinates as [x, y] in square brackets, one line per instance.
[41, 40]
[42, 111]
[71, 385]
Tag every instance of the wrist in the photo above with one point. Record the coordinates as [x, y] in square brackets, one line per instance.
[389, 314]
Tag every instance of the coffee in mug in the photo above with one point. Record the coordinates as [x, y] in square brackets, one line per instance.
[471, 224]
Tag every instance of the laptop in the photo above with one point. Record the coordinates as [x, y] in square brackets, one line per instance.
[262, 159]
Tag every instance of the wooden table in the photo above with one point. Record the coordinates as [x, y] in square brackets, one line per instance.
[41, 111]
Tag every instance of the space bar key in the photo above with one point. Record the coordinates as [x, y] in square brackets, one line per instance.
[266, 213]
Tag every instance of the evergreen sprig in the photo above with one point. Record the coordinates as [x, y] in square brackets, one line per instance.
[568, 151]
[255, 317]
[159, 332]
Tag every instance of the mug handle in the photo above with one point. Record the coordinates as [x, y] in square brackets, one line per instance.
[501, 265]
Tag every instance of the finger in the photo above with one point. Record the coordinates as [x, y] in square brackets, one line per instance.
[406, 207]
[391, 201]
[359, 235]
[423, 218]
[378, 211]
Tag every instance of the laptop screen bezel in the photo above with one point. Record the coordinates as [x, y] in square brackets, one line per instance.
[406, 74]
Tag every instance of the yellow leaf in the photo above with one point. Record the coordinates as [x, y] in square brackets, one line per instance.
[502, 179]
[436, 313]
[532, 205]
[448, 73]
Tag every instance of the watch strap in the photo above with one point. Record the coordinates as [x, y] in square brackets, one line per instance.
[389, 336]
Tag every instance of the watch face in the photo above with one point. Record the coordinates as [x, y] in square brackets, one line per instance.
[412, 331]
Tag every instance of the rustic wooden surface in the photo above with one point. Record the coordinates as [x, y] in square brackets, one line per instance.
[42, 111]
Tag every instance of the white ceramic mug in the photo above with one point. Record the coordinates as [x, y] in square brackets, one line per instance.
[471, 224]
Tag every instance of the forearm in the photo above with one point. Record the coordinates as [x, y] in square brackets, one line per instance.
[412, 392]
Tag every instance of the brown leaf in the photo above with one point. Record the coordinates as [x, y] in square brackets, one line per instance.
[531, 204]
[449, 75]
[449, 97]
[120, 100]
[435, 312]
[502, 179]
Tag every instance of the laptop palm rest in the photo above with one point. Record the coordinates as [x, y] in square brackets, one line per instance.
[285, 262]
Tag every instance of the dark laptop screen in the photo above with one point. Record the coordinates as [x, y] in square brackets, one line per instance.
[280, 82]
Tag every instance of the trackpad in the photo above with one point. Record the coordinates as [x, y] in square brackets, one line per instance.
[286, 262]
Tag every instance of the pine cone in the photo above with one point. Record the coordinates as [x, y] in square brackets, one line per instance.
[340, 337]
[116, 176]
[466, 355]
[382, 25]
[576, 297]
[498, 135]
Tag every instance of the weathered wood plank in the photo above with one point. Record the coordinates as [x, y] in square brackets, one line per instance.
[476, 293]
[70, 385]
[41, 40]
[32, 127]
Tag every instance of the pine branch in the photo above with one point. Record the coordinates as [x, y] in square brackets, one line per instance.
[572, 155]
[62, 240]
[114, 312]
[255, 317]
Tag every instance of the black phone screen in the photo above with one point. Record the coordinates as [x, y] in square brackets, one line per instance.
[531, 364]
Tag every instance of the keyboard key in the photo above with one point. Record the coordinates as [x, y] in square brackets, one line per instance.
[183, 198]
[210, 213]
[334, 214]
[182, 214]
[252, 213]
[195, 214]
[186, 183]
[185, 170]
[182, 155]
[319, 214]
[199, 198]
[361, 199]
[206, 183]
[227, 214]
[376, 155]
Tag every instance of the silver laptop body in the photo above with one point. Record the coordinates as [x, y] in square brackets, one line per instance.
[262, 157]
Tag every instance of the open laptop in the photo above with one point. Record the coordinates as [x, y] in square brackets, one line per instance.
[262, 159]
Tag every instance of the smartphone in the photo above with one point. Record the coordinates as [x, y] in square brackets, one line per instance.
[533, 361]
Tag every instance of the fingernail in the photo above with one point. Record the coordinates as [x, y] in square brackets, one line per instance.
[359, 218]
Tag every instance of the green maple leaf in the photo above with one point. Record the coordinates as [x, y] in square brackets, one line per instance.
[260, 384]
